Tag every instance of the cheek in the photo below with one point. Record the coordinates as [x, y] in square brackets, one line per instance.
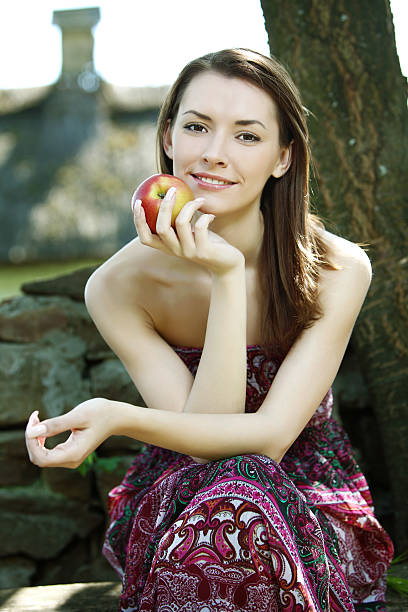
[258, 170]
[187, 154]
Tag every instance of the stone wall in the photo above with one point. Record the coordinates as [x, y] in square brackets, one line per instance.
[52, 521]
[51, 358]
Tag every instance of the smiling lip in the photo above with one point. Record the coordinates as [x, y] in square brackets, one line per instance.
[207, 185]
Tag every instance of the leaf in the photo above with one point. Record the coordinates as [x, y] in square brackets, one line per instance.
[107, 464]
[400, 585]
[401, 558]
[86, 465]
[102, 464]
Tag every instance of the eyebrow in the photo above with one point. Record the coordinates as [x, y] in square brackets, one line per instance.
[240, 122]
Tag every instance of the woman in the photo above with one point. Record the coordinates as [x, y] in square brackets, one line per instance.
[247, 496]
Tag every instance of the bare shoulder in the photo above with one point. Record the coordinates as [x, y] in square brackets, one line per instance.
[351, 260]
[342, 291]
[129, 272]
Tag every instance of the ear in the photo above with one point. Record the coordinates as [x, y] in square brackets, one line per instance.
[285, 159]
[168, 139]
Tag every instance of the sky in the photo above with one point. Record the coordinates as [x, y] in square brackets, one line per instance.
[30, 46]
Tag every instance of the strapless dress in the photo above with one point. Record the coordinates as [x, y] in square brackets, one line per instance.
[246, 534]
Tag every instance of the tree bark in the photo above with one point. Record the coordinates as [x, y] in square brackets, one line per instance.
[342, 56]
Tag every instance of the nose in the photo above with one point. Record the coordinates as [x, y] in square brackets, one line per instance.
[214, 153]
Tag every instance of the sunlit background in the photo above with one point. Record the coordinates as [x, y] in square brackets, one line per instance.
[127, 52]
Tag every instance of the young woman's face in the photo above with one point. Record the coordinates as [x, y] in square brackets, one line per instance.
[224, 142]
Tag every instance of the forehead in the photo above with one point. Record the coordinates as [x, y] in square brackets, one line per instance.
[215, 94]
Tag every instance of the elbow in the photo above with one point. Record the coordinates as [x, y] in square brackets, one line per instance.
[274, 452]
[280, 455]
[276, 442]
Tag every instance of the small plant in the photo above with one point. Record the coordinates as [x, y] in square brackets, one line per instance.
[94, 462]
[400, 585]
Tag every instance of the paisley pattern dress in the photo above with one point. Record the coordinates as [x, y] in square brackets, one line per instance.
[246, 534]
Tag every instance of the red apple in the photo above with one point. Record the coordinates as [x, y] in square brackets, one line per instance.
[152, 191]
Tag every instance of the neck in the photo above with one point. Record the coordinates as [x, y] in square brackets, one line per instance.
[244, 231]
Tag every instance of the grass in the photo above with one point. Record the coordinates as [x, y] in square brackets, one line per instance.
[12, 276]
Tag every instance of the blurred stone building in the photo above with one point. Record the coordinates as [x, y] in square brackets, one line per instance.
[71, 155]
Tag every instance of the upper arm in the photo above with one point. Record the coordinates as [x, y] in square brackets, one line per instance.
[311, 365]
[161, 377]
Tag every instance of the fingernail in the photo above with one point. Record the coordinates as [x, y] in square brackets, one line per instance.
[171, 192]
[38, 430]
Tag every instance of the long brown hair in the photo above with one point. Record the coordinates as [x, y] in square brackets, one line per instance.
[292, 248]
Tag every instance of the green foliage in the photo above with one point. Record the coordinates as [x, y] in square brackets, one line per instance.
[87, 465]
[107, 464]
[400, 585]
[401, 558]
[102, 464]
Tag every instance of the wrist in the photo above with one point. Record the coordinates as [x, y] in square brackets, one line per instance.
[106, 415]
[237, 269]
[122, 418]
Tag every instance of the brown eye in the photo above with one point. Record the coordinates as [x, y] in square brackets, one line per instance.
[195, 127]
[248, 137]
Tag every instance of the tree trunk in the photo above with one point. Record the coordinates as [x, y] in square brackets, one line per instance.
[342, 56]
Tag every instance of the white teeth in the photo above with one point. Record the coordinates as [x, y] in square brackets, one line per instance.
[213, 181]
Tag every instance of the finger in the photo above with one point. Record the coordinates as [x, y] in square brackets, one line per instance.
[166, 209]
[65, 454]
[54, 426]
[70, 453]
[164, 228]
[36, 450]
[184, 227]
[32, 443]
[133, 201]
[139, 218]
[202, 241]
[43, 457]
[144, 232]
[33, 419]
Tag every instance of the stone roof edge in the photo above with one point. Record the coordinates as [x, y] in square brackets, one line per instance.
[133, 98]
[15, 100]
[126, 99]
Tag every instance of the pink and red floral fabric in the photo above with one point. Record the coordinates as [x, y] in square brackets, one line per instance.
[246, 534]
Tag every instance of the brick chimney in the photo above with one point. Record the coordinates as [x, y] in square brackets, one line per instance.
[77, 48]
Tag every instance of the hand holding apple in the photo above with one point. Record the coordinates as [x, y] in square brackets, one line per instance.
[192, 239]
[153, 190]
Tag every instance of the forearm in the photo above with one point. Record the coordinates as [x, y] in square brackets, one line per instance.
[210, 436]
[220, 381]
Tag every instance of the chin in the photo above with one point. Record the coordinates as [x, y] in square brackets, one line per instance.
[207, 209]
